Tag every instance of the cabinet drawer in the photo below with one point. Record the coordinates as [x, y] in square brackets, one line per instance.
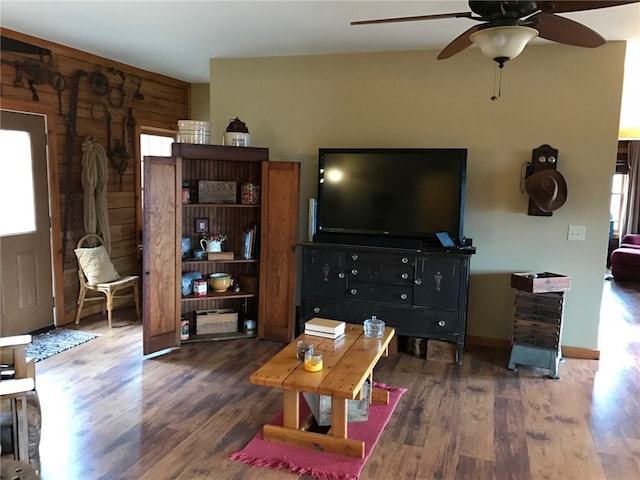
[419, 322]
[536, 340]
[392, 259]
[538, 328]
[384, 273]
[324, 273]
[426, 322]
[437, 281]
[350, 312]
[374, 292]
[539, 306]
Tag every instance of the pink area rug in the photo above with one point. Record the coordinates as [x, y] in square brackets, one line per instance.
[320, 465]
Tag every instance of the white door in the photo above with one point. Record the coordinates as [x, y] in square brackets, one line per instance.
[26, 291]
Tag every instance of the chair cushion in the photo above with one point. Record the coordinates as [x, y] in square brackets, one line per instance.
[96, 265]
[120, 282]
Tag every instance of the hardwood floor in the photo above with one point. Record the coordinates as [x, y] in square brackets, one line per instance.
[109, 413]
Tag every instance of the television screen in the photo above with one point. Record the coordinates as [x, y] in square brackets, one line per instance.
[404, 193]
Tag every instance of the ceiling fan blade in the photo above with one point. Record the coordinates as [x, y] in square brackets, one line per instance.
[412, 19]
[560, 6]
[562, 30]
[458, 44]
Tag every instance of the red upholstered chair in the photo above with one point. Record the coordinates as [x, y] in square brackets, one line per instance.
[625, 260]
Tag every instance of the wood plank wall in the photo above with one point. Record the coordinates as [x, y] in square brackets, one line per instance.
[166, 101]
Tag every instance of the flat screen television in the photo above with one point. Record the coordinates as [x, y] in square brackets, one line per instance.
[391, 196]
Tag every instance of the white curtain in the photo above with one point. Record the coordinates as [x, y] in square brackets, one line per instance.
[631, 218]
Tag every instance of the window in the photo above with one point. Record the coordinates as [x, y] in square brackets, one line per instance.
[16, 184]
[618, 201]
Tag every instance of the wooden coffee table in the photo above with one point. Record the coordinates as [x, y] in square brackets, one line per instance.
[348, 363]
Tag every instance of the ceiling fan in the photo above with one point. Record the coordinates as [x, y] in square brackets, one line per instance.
[509, 25]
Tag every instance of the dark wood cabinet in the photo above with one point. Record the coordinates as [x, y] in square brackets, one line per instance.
[419, 293]
[265, 278]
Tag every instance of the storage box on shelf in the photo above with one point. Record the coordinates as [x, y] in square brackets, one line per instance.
[216, 321]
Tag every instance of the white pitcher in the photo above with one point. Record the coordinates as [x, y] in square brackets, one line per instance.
[211, 245]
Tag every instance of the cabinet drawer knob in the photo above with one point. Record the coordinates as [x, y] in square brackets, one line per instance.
[405, 260]
[418, 281]
[316, 309]
[403, 296]
[442, 323]
[354, 291]
[354, 256]
[405, 276]
[354, 271]
[341, 275]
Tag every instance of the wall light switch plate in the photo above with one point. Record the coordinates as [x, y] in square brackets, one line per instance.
[577, 232]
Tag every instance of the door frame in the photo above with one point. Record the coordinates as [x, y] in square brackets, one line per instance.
[51, 123]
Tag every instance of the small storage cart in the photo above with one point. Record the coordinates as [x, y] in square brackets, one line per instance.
[537, 326]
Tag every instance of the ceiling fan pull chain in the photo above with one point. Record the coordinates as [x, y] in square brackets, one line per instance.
[497, 78]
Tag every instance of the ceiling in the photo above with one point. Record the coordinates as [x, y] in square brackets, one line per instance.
[177, 38]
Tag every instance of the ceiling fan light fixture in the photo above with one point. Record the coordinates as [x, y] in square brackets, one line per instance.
[503, 43]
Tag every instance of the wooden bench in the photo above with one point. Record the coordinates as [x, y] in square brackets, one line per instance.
[17, 389]
[348, 363]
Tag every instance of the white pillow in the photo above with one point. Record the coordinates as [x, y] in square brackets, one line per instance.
[96, 265]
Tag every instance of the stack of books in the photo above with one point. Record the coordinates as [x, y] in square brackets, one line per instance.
[251, 243]
[323, 327]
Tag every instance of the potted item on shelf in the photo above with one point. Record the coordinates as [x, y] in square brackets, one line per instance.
[212, 242]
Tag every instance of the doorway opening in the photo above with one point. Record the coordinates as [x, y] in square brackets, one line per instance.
[151, 142]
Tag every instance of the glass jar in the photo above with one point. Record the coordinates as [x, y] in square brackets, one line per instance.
[249, 193]
[373, 327]
[186, 193]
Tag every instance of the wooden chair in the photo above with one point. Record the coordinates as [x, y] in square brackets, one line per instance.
[110, 289]
[17, 389]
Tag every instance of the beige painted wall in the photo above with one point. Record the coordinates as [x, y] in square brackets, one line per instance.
[567, 97]
[199, 103]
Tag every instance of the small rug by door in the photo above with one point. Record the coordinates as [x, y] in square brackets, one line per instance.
[320, 465]
[45, 345]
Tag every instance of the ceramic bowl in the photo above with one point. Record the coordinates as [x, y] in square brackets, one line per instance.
[220, 282]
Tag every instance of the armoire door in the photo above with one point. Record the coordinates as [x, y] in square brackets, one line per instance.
[161, 260]
[278, 239]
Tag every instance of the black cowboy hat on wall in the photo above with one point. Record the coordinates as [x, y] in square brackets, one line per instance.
[546, 187]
